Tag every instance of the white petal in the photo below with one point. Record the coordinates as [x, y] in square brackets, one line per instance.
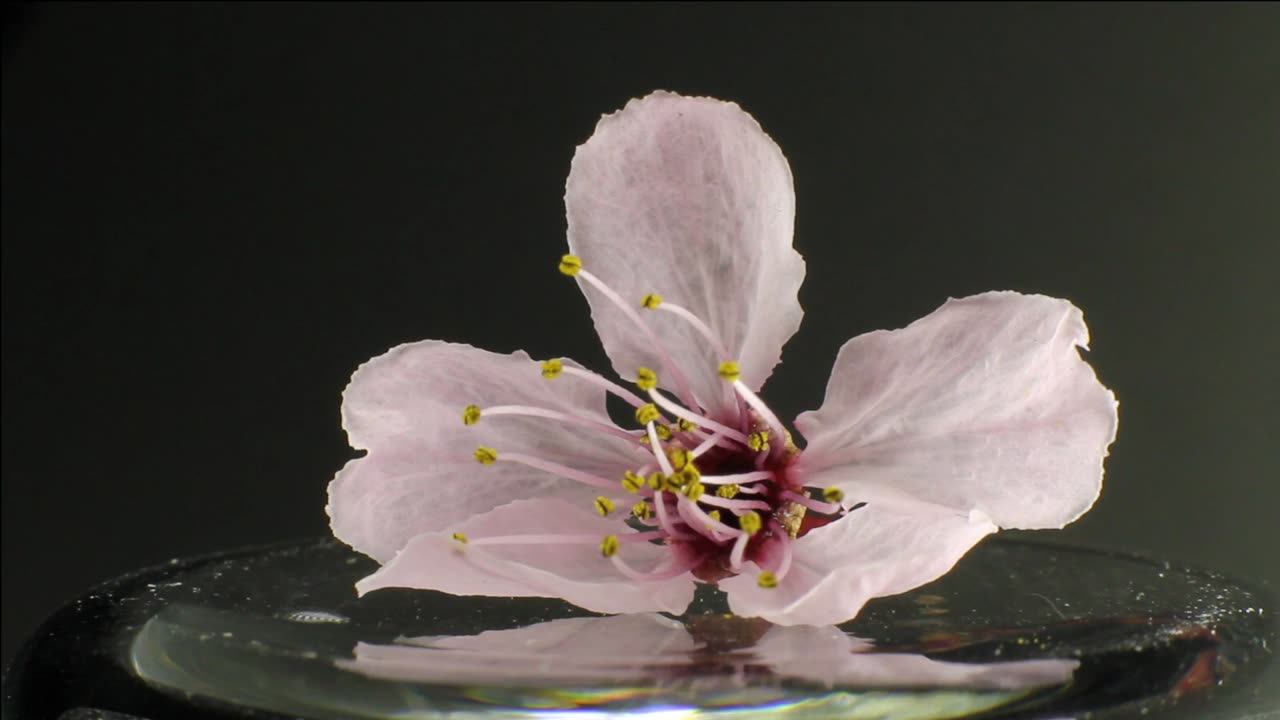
[406, 406]
[882, 549]
[984, 405]
[576, 572]
[688, 198]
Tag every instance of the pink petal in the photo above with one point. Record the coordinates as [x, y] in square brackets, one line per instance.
[985, 405]
[882, 549]
[688, 198]
[576, 572]
[828, 656]
[615, 648]
[406, 406]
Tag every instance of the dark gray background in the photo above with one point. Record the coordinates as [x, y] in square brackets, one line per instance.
[212, 214]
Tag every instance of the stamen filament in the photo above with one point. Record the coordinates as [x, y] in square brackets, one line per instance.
[558, 469]
[710, 442]
[735, 505]
[530, 411]
[739, 550]
[825, 508]
[664, 519]
[779, 432]
[703, 523]
[632, 573]
[784, 564]
[609, 386]
[566, 539]
[658, 453]
[739, 478]
[666, 404]
[682, 384]
[697, 324]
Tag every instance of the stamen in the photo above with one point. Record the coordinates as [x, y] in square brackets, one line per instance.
[647, 414]
[832, 494]
[641, 510]
[658, 454]
[529, 411]
[758, 440]
[689, 474]
[704, 524]
[692, 490]
[727, 492]
[750, 522]
[485, 455]
[460, 537]
[695, 321]
[739, 550]
[762, 410]
[552, 368]
[735, 505]
[738, 478]
[665, 521]
[646, 379]
[570, 265]
[551, 467]
[825, 508]
[651, 301]
[784, 564]
[664, 431]
[679, 457]
[565, 539]
[682, 383]
[603, 505]
[666, 404]
[685, 425]
[609, 545]
[631, 482]
[663, 574]
[767, 580]
[730, 371]
[471, 415]
[601, 381]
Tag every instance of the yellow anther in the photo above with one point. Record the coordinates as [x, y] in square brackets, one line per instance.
[767, 580]
[646, 414]
[603, 505]
[685, 425]
[693, 490]
[730, 371]
[460, 537]
[658, 481]
[471, 415]
[689, 474]
[727, 491]
[679, 457]
[570, 264]
[651, 301]
[551, 368]
[833, 494]
[758, 440]
[631, 482]
[750, 522]
[662, 431]
[609, 546]
[641, 510]
[714, 515]
[646, 379]
[485, 455]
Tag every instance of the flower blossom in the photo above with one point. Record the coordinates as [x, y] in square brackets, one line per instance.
[496, 474]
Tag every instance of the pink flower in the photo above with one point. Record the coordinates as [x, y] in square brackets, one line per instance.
[979, 416]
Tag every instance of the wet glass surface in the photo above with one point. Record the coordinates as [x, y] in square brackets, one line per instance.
[1018, 630]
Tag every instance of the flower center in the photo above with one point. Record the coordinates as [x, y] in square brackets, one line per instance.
[719, 494]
